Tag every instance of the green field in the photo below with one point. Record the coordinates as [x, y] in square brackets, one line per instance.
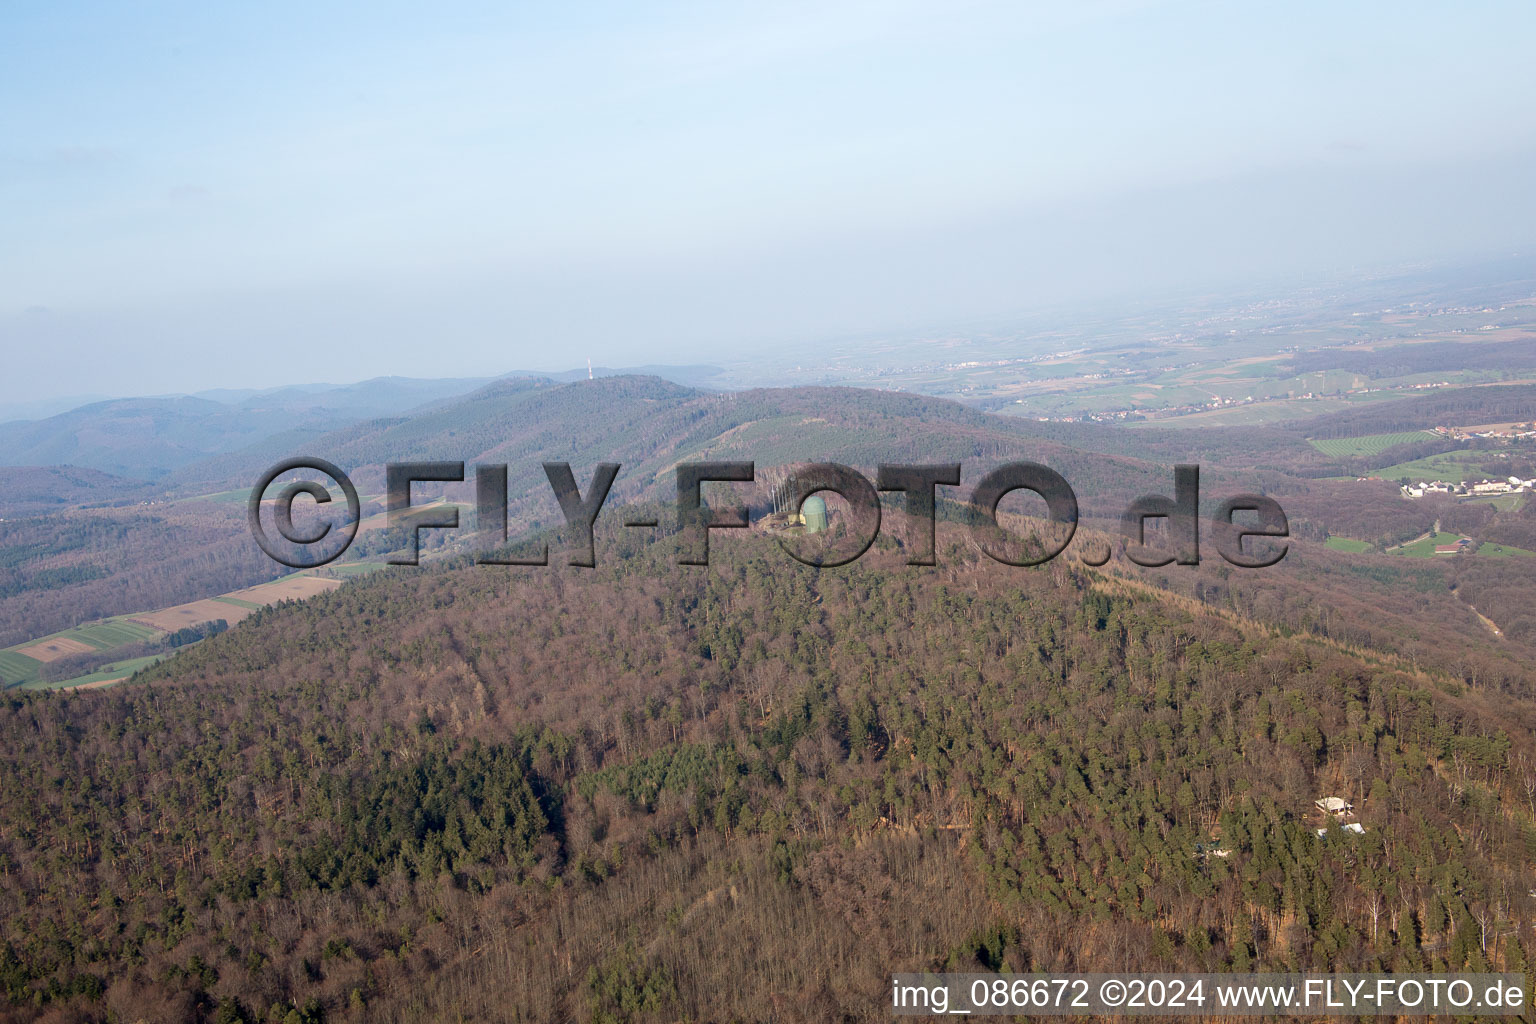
[116, 670]
[1502, 502]
[1425, 547]
[1502, 551]
[240, 495]
[17, 668]
[110, 633]
[1370, 444]
[356, 568]
[1354, 547]
[1452, 467]
[238, 602]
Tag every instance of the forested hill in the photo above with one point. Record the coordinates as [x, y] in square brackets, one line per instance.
[1493, 403]
[37, 490]
[137, 437]
[654, 793]
[649, 425]
[147, 437]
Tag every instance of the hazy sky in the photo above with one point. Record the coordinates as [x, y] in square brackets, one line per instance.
[213, 194]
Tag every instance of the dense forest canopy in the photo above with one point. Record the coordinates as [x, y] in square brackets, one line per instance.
[529, 793]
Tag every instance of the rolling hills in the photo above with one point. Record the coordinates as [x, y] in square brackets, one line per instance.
[649, 425]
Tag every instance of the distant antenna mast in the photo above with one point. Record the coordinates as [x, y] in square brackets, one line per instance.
[589, 367]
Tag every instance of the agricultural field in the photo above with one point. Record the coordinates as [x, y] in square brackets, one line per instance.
[17, 668]
[192, 613]
[1354, 547]
[290, 588]
[110, 633]
[1371, 444]
[115, 672]
[20, 664]
[235, 606]
[380, 520]
[51, 650]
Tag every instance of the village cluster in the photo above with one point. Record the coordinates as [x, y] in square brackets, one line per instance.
[1469, 489]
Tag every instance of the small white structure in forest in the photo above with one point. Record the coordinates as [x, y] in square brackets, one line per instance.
[1333, 805]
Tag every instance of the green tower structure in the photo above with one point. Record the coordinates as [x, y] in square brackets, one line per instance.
[814, 511]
